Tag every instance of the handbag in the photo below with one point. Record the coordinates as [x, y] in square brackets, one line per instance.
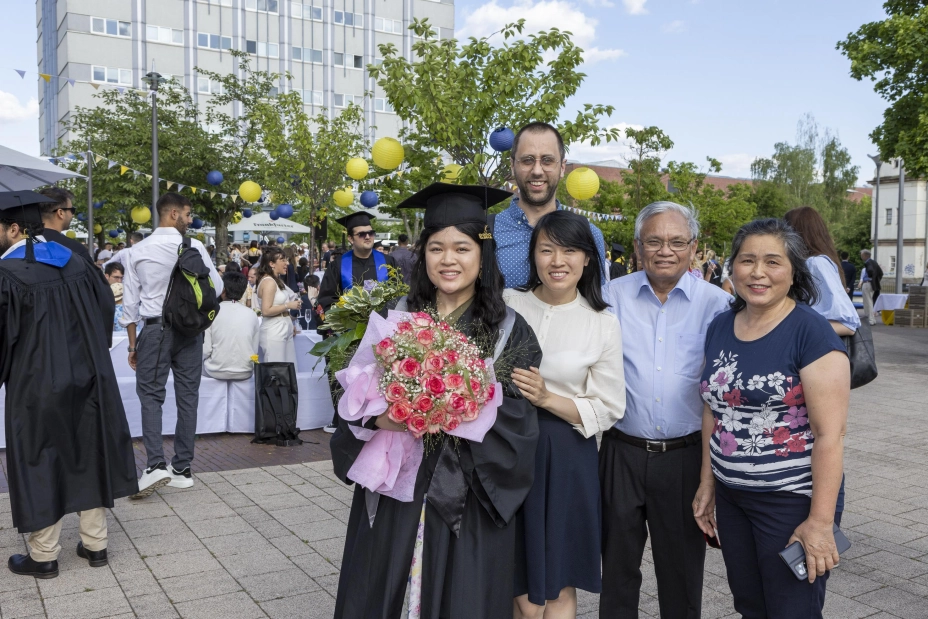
[276, 401]
[861, 355]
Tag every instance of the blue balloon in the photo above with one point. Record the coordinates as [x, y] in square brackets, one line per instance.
[369, 199]
[197, 223]
[120, 231]
[246, 212]
[122, 211]
[281, 239]
[81, 217]
[98, 204]
[274, 215]
[214, 177]
[501, 140]
[114, 233]
[285, 211]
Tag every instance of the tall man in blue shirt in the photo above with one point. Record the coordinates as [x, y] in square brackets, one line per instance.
[649, 461]
[538, 163]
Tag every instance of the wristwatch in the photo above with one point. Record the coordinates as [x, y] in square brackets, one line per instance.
[131, 349]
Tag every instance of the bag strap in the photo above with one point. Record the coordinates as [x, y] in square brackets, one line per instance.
[402, 304]
[505, 330]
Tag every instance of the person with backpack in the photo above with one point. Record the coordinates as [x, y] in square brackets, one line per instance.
[172, 286]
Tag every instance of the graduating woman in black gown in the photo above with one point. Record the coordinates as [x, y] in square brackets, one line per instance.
[473, 489]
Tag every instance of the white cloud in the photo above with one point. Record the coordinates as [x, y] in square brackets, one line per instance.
[584, 152]
[539, 15]
[674, 27]
[635, 7]
[737, 164]
[12, 111]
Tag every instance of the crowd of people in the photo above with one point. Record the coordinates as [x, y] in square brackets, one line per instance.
[719, 387]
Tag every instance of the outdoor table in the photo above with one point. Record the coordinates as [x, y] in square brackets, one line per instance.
[887, 304]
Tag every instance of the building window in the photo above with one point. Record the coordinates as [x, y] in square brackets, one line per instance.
[351, 61]
[388, 25]
[378, 62]
[111, 27]
[111, 75]
[349, 19]
[251, 47]
[310, 97]
[273, 92]
[262, 49]
[156, 34]
[298, 53]
[382, 105]
[213, 41]
[342, 100]
[889, 217]
[306, 11]
[267, 6]
[207, 86]
[892, 264]
[307, 54]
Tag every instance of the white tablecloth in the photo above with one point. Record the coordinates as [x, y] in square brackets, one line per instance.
[225, 406]
[890, 302]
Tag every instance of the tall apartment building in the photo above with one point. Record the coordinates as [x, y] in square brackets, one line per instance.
[325, 44]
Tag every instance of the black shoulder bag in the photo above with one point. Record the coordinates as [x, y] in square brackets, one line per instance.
[861, 355]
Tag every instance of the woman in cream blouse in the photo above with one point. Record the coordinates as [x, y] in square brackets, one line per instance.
[579, 390]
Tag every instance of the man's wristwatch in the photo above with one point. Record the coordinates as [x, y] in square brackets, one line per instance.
[130, 349]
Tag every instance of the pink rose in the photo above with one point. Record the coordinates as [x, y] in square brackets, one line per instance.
[436, 418]
[425, 337]
[457, 403]
[400, 411]
[450, 356]
[404, 327]
[417, 425]
[451, 423]
[462, 337]
[422, 319]
[475, 386]
[471, 410]
[395, 392]
[423, 403]
[444, 326]
[409, 367]
[491, 391]
[434, 384]
[433, 362]
[454, 381]
[386, 349]
[480, 364]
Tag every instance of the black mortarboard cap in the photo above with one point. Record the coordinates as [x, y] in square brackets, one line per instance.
[450, 205]
[618, 248]
[360, 218]
[22, 206]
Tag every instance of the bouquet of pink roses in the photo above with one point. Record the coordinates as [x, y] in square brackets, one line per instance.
[434, 378]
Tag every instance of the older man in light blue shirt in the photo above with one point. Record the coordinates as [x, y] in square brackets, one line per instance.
[650, 460]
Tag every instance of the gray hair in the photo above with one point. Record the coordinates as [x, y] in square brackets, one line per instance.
[865, 252]
[656, 208]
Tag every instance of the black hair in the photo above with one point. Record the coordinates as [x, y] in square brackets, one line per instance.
[488, 308]
[114, 266]
[234, 285]
[803, 289]
[60, 197]
[844, 255]
[303, 261]
[137, 237]
[269, 255]
[403, 238]
[568, 229]
[311, 281]
[538, 127]
[171, 200]
[233, 267]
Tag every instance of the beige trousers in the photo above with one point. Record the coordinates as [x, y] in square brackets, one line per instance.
[43, 544]
[866, 291]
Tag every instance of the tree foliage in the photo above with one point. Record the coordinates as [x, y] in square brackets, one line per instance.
[644, 183]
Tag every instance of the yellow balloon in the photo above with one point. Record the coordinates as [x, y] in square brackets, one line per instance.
[237, 217]
[97, 228]
[582, 183]
[250, 191]
[71, 234]
[387, 153]
[451, 173]
[343, 197]
[141, 215]
[357, 168]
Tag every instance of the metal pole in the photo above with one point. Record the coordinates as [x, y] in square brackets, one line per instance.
[876, 209]
[89, 199]
[900, 230]
[154, 79]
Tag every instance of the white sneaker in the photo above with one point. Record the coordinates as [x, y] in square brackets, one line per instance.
[180, 479]
[153, 478]
[330, 429]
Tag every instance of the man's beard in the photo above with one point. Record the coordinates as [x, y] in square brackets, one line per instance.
[181, 227]
[5, 242]
[524, 194]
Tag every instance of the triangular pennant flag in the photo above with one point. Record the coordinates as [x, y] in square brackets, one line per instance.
[110, 164]
[212, 195]
[148, 176]
[171, 184]
[72, 82]
[45, 76]
[202, 191]
[22, 73]
[98, 158]
[180, 187]
[135, 173]
[193, 189]
[120, 89]
[123, 169]
[223, 195]
[95, 86]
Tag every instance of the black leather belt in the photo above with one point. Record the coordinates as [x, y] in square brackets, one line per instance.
[657, 446]
[153, 321]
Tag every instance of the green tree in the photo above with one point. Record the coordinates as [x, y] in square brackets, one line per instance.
[853, 234]
[892, 54]
[643, 182]
[456, 95]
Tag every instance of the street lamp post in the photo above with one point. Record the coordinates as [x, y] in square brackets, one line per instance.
[876, 209]
[899, 229]
[153, 80]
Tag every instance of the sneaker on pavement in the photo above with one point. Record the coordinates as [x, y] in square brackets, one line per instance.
[154, 477]
[180, 479]
[329, 429]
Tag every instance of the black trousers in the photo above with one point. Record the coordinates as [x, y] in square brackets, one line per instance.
[646, 492]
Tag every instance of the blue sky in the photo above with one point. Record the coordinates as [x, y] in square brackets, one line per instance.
[726, 78]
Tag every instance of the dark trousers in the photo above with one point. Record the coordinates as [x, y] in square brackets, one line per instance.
[646, 492]
[159, 352]
[753, 528]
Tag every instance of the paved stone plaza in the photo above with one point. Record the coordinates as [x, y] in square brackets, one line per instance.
[267, 542]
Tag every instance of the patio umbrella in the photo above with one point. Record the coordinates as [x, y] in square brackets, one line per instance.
[19, 171]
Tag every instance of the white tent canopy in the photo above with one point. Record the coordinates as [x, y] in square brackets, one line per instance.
[262, 222]
[19, 171]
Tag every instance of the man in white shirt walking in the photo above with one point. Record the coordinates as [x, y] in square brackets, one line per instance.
[160, 349]
[232, 339]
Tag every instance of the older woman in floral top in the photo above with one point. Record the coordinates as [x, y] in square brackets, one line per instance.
[776, 385]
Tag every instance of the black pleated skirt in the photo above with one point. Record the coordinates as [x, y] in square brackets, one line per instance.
[559, 526]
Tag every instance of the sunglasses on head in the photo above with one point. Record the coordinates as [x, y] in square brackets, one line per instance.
[365, 235]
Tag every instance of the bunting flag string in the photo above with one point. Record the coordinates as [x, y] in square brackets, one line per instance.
[594, 216]
[142, 92]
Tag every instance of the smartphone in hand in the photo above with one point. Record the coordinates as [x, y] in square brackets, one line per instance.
[794, 555]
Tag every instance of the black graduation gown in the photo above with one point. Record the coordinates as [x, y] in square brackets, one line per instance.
[330, 289]
[68, 446]
[617, 269]
[465, 577]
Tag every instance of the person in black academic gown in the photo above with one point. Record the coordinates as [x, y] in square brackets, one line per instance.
[617, 267]
[56, 218]
[474, 489]
[68, 445]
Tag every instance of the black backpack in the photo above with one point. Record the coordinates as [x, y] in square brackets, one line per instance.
[276, 403]
[191, 303]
